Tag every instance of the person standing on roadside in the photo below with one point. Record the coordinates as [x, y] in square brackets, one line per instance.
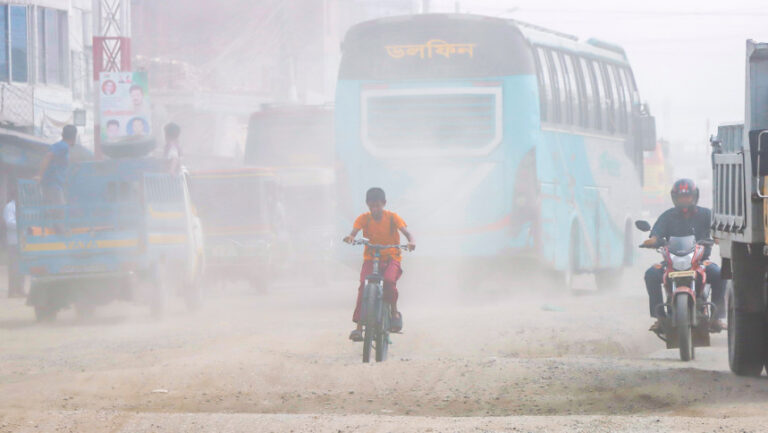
[15, 280]
[172, 151]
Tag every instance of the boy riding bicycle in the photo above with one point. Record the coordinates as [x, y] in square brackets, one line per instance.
[380, 227]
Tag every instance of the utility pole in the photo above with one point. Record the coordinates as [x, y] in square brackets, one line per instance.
[111, 49]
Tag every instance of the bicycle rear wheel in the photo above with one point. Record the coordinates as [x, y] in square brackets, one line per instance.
[382, 337]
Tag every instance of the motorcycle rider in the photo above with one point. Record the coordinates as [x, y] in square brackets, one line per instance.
[684, 219]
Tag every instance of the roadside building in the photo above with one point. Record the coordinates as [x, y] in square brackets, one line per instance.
[45, 78]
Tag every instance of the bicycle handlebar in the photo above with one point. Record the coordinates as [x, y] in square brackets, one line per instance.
[368, 244]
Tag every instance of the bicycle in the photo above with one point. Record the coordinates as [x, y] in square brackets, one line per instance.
[375, 313]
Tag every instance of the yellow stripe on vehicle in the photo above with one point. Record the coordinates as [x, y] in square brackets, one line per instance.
[231, 176]
[167, 239]
[49, 246]
[117, 243]
[172, 215]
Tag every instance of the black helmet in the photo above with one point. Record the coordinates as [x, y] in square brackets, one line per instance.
[684, 187]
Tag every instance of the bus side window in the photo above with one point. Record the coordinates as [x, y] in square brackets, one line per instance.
[600, 96]
[591, 109]
[558, 92]
[562, 90]
[619, 98]
[610, 97]
[627, 98]
[629, 79]
[545, 86]
[575, 90]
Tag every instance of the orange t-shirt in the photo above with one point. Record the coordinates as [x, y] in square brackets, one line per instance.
[386, 231]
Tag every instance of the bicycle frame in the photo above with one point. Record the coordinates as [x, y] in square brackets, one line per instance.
[373, 302]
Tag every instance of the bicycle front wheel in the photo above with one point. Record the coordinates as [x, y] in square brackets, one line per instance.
[367, 342]
[382, 337]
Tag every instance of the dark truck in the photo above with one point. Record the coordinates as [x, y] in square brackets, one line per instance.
[241, 217]
[740, 218]
[296, 143]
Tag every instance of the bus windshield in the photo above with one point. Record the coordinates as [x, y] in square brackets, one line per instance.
[435, 47]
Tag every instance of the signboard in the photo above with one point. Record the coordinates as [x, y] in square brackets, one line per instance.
[124, 106]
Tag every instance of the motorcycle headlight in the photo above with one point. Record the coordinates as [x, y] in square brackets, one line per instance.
[682, 263]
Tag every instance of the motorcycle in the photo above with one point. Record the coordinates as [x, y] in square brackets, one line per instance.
[687, 313]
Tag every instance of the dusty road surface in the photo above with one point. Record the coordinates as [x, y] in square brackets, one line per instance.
[514, 359]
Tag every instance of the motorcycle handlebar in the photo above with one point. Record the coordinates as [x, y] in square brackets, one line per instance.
[663, 242]
[659, 243]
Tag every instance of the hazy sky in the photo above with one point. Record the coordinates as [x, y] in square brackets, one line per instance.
[688, 56]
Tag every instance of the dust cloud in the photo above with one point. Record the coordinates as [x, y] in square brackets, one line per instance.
[504, 330]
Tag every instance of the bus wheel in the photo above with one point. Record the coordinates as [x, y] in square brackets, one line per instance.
[608, 279]
[572, 262]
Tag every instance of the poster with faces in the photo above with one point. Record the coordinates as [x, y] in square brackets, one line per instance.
[124, 106]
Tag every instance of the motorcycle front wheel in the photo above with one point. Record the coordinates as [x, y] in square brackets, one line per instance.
[683, 325]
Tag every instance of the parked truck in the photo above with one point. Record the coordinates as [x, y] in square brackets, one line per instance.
[740, 218]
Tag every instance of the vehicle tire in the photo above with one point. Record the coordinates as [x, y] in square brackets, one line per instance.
[193, 295]
[382, 339]
[160, 288]
[572, 263]
[261, 279]
[85, 310]
[746, 322]
[683, 324]
[45, 313]
[745, 339]
[609, 279]
[629, 245]
[367, 343]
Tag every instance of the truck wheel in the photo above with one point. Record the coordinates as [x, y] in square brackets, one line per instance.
[745, 339]
[746, 309]
[44, 305]
[45, 313]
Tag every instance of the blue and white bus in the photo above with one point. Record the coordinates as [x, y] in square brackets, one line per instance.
[493, 137]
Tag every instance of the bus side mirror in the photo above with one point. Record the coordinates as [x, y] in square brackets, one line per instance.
[647, 130]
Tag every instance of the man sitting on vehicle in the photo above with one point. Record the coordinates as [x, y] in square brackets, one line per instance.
[53, 170]
[684, 219]
[380, 227]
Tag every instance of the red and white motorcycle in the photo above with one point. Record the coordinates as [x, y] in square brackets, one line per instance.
[687, 311]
